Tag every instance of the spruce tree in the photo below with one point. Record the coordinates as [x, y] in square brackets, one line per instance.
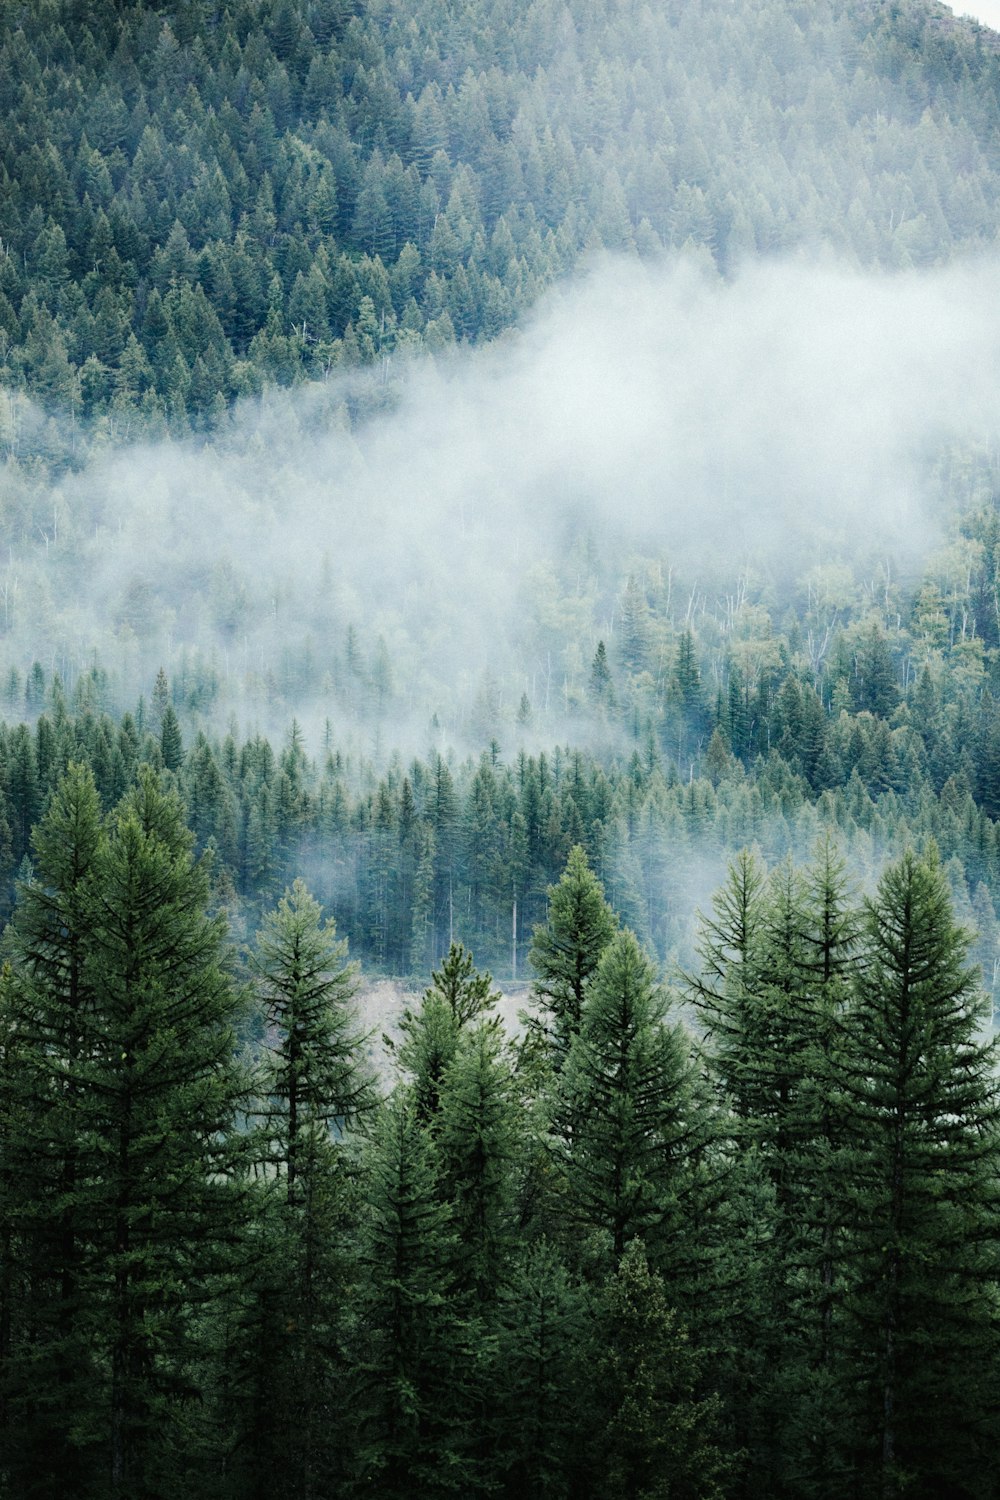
[654, 1437]
[315, 1075]
[724, 990]
[48, 1379]
[625, 1114]
[566, 950]
[479, 1138]
[458, 995]
[414, 1366]
[542, 1381]
[919, 1195]
[119, 980]
[156, 1098]
[315, 1083]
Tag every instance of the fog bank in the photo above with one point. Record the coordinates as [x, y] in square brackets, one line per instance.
[785, 418]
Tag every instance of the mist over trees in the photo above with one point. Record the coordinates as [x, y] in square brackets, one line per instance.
[198, 201]
[499, 490]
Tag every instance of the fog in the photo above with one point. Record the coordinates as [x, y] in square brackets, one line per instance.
[485, 518]
[987, 12]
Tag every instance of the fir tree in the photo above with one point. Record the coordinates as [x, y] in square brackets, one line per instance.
[566, 950]
[626, 1107]
[458, 995]
[655, 1434]
[414, 1366]
[479, 1137]
[48, 1374]
[315, 1076]
[117, 958]
[542, 1378]
[314, 1081]
[920, 1195]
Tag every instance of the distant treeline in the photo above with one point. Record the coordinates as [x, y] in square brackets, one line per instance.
[410, 855]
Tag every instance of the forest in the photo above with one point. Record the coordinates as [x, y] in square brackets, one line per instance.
[503, 499]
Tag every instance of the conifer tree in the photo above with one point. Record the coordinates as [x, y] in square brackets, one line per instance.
[156, 1099]
[479, 1135]
[315, 1074]
[542, 1378]
[777, 954]
[315, 1083]
[724, 991]
[414, 1366]
[567, 949]
[118, 974]
[920, 1195]
[625, 1109]
[655, 1432]
[47, 1384]
[457, 996]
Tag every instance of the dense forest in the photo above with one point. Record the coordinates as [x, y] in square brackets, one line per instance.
[198, 199]
[499, 490]
[594, 1260]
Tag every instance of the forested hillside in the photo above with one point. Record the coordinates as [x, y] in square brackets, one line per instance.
[200, 199]
[495, 489]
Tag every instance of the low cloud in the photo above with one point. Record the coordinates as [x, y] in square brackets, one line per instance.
[780, 419]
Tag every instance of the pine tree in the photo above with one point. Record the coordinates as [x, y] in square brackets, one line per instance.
[414, 1366]
[315, 1076]
[156, 1098]
[479, 1137]
[920, 1195]
[600, 688]
[119, 973]
[566, 950]
[778, 954]
[654, 1437]
[48, 1359]
[314, 1081]
[625, 1108]
[724, 991]
[171, 743]
[542, 1378]
[457, 996]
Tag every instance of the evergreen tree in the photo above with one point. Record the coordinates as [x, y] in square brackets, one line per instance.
[724, 992]
[542, 1378]
[920, 1196]
[314, 1080]
[625, 1109]
[171, 743]
[457, 996]
[414, 1366]
[466, 992]
[315, 1076]
[122, 962]
[479, 1136]
[600, 687]
[566, 950]
[48, 1372]
[654, 1437]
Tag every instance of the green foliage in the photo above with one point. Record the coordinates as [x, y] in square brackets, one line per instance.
[566, 951]
[119, 983]
[626, 1095]
[413, 1357]
[480, 1137]
[198, 204]
[588, 1264]
[655, 1439]
[314, 1074]
[919, 1187]
[543, 1344]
